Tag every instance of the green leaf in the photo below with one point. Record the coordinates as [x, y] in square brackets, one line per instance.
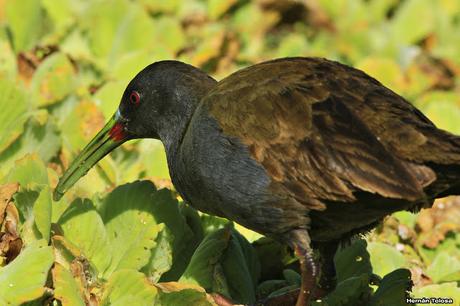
[393, 289]
[24, 278]
[129, 64]
[153, 150]
[200, 270]
[409, 14]
[128, 286]
[216, 8]
[8, 69]
[118, 27]
[294, 44]
[444, 268]
[42, 212]
[41, 136]
[83, 227]
[128, 215]
[60, 12]
[443, 109]
[179, 294]
[25, 30]
[161, 257]
[446, 290]
[385, 258]
[166, 210]
[108, 97]
[53, 80]
[66, 288]
[240, 268]
[353, 260]
[175, 39]
[29, 172]
[450, 245]
[405, 217]
[162, 6]
[76, 45]
[14, 106]
[352, 291]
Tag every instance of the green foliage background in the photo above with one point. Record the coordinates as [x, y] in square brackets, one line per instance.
[63, 67]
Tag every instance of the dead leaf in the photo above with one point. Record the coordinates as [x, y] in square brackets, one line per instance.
[442, 218]
[6, 193]
[10, 242]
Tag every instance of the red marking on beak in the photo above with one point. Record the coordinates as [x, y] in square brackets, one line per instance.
[117, 132]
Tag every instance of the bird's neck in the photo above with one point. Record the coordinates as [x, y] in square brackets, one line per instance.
[186, 97]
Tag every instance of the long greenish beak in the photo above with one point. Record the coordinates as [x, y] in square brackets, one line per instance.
[111, 136]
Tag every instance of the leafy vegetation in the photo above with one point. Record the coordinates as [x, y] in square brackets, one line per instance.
[63, 67]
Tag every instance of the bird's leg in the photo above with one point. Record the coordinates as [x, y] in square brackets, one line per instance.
[327, 277]
[300, 240]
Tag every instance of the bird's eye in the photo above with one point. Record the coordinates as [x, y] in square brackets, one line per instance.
[134, 98]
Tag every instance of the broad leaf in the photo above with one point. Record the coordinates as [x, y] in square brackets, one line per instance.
[14, 106]
[24, 278]
[25, 31]
[385, 258]
[53, 80]
[83, 227]
[128, 286]
[66, 288]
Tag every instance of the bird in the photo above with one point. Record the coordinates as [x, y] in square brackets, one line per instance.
[305, 150]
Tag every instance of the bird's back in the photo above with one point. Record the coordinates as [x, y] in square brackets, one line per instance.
[307, 142]
[324, 131]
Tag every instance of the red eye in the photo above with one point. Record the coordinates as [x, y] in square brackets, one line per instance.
[134, 97]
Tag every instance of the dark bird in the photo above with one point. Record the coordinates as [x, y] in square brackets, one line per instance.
[304, 150]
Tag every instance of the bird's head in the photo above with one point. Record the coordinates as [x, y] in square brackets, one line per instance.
[157, 103]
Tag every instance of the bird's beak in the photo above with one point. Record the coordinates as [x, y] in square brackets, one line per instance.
[111, 136]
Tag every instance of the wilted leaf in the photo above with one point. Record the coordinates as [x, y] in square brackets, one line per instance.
[10, 242]
[24, 278]
[66, 289]
[53, 80]
[173, 293]
[81, 124]
[6, 194]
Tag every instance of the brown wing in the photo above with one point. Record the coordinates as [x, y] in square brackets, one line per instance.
[317, 128]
